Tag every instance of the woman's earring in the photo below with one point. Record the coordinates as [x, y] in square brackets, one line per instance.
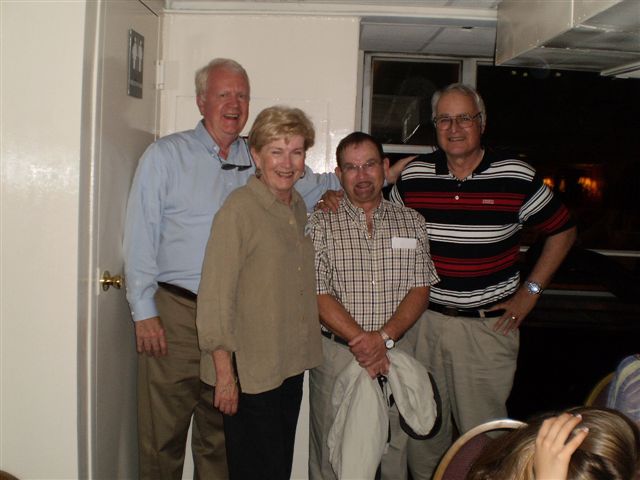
[258, 172]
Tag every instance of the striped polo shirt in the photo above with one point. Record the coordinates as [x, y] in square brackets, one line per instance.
[475, 225]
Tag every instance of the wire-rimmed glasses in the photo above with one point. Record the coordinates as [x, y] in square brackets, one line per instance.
[463, 121]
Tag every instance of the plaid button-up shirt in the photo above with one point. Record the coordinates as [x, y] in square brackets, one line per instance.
[370, 274]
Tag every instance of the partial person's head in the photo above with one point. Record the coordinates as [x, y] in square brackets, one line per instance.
[279, 139]
[609, 451]
[362, 168]
[222, 96]
[459, 117]
[624, 389]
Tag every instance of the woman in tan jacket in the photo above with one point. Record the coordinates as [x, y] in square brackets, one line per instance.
[257, 316]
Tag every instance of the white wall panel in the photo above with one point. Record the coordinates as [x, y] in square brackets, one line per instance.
[42, 56]
[308, 62]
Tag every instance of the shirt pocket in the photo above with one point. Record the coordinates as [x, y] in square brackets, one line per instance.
[402, 268]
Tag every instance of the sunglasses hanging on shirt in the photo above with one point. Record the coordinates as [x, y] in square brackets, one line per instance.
[224, 165]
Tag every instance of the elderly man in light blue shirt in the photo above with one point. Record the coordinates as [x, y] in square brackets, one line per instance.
[181, 182]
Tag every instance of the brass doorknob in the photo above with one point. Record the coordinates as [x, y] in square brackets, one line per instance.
[117, 281]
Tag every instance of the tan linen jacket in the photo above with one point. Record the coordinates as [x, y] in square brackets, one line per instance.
[257, 294]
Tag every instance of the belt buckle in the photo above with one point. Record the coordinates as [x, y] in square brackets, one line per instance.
[450, 311]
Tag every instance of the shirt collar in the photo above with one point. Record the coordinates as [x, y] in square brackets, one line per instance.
[268, 200]
[357, 214]
[238, 151]
[443, 169]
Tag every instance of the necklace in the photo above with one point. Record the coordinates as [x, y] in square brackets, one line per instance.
[458, 179]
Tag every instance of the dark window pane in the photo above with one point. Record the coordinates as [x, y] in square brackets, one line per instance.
[401, 99]
[581, 131]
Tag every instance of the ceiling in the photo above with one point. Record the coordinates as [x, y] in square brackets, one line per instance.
[443, 27]
[550, 33]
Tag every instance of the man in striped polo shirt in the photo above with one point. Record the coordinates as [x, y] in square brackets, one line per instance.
[475, 204]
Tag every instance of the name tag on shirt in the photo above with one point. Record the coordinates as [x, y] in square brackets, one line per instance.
[402, 242]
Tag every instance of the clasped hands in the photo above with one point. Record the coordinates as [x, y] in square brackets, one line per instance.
[370, 352]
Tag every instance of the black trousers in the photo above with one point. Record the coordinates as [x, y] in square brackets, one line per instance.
[261, 436]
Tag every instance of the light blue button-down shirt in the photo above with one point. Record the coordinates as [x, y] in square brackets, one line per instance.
[178, 188]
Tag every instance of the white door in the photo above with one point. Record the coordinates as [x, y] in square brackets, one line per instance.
[121, 128]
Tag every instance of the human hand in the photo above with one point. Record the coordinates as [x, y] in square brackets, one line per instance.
[330, 201]
[553, 452]
[515, 310]
[396, 169]
[150, 337]
[368, 348]
[226, 395]
[380, 367]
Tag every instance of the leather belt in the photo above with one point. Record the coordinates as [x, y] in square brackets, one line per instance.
[179, 291]
[334, 337]
[463, 312]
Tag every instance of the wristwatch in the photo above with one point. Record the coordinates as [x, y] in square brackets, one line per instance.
[388, 341]
[534, 288]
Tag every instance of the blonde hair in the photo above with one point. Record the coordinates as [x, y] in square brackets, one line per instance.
[610, 450]
[280, 121]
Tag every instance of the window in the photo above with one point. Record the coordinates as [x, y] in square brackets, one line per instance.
[578, 129]
[397, 110]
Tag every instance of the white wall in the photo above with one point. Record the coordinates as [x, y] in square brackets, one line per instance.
[42, 58]
[307, 62]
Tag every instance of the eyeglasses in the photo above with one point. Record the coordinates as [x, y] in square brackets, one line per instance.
[225, 165]
[231, 166]
[367, 167]
[463, 121]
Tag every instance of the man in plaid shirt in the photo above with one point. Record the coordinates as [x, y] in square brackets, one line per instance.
[373, 272]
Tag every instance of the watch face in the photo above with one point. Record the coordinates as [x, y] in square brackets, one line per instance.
[389, 343]
[534, 287]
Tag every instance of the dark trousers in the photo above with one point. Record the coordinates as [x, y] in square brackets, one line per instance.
[260, 437]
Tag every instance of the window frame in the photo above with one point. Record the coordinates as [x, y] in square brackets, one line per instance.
[468, 75]
[467, 71]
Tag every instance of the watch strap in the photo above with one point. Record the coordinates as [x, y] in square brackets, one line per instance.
[388, 341]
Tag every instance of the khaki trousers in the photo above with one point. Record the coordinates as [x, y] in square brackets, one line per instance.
[473, 367]
[170, 393]
[321, 382]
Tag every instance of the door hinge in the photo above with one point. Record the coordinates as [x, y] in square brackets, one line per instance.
[159, 74]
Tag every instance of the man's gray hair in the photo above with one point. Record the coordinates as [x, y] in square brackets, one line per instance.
[464, 90]
[202, 75]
